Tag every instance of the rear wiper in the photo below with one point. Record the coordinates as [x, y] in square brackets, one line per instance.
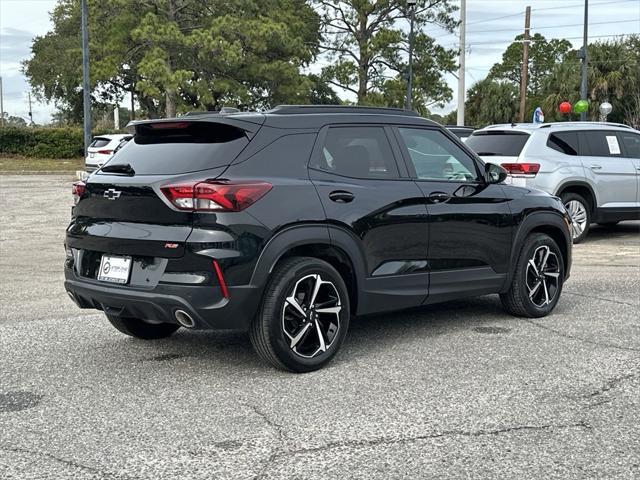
[488, 154]
[119, 168]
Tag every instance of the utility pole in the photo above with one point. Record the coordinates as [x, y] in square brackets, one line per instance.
[585, 59]
[30, 112]
[463, 46]
[86, 98]
[524, 73]
[116, 117]
[1, 105]
[412, 5]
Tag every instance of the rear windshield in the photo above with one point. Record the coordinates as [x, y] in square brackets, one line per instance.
[504, 144]
[181, 147]
[99, 142]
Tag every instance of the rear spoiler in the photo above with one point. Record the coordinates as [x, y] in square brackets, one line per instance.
[250, 123]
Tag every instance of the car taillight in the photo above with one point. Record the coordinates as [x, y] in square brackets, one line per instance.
[77, 191]
[522, 168]
[215, 196]
[105, 152]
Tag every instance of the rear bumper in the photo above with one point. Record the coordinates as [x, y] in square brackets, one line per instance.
[206, 306]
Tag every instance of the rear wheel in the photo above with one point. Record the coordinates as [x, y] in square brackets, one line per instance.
[140, 329]
[304, 315]
[580, 213]
[537, 282]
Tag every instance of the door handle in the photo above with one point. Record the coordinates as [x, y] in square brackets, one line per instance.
[595, 167]
[340, 196]
[439, 197]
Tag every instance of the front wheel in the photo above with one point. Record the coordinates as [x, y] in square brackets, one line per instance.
[538, 279]
[304, 315]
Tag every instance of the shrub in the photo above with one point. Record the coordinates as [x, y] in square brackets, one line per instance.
[66, 142]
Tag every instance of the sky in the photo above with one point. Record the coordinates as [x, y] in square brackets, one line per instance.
[491, 26]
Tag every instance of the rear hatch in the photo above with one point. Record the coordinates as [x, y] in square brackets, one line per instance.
[122, 210]
[498, 146]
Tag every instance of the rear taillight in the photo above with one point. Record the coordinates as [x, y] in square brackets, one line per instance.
[77, 191]
[105, 152]
[215, 196]
[522, 168]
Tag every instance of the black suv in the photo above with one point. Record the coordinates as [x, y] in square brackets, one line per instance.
[287, 223]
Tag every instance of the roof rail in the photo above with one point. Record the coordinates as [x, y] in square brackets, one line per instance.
[572, 124]
[310, 109]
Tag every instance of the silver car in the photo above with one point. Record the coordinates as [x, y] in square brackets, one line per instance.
[594, 167]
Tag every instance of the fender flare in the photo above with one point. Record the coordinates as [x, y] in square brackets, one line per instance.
[578, 183]
[530, 222]
[308, 234]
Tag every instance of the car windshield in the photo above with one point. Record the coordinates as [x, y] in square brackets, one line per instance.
[503, 144]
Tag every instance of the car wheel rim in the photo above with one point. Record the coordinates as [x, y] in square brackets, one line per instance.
[543, 276]
[578, 213]
[311, 316]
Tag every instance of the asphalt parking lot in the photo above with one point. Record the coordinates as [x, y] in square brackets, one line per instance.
[456, 390]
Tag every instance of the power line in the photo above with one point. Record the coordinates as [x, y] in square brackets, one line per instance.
[501, 42]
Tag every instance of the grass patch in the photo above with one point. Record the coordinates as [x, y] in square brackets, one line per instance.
[19, 164]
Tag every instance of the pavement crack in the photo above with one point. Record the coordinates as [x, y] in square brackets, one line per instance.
[277, 450]
[580, 339]
[610, 385]
[448, 433]
[64, 461]
[601, 298]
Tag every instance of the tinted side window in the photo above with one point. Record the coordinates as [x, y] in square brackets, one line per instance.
[360, 152]
[564, 142]
[631, 142]
[436, 157]
[601, 143]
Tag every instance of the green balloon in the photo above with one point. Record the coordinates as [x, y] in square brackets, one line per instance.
[581, 106]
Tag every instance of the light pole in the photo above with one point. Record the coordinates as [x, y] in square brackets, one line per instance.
[412, 5]
[585, 59]
[86, 99]
[461, 86]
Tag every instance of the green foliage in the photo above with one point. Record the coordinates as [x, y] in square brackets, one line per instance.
[368, 51]
[489, 101]
[66, 142]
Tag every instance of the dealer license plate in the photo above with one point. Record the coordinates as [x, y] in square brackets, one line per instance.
[114, 269]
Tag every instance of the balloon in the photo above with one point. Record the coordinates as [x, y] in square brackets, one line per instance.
[581, 106]
[565, 107]
[605, 108]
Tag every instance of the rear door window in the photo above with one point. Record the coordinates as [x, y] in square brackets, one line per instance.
[600, 143]
[498, 143]
[181, 147]
[631, 143]
[359, 152]
[564, 142]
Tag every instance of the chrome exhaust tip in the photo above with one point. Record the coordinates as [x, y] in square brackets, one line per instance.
[184, 319]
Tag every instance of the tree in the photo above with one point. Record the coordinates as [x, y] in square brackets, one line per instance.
[490, 101]
[543, 56]
[368, 50]
[177, 55]
[12, 121]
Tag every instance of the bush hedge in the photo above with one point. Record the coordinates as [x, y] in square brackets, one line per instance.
[65, 142]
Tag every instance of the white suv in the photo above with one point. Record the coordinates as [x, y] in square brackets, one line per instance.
[594, 167]
[102, 149]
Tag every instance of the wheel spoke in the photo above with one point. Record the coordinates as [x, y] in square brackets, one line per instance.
[546, 292]
[533, 265]
[296, 306]
[533, 290]
[544, 260]
[551, 274]
[316, 289]
[295, 340]
[335, 309]
[323, 346]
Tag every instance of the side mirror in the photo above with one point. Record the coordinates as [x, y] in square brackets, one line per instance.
[494, 173]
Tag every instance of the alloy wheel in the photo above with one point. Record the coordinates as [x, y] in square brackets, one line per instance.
[578, 213]
[311, 316]
[543, 276]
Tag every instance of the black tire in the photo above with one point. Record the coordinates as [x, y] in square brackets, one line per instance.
[267, 331]
[141, 329]
[570, 197]
[517, 300]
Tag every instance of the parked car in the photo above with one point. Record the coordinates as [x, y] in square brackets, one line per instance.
[286, 223]
[102, 148]
[461, 132]
[594, 167]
